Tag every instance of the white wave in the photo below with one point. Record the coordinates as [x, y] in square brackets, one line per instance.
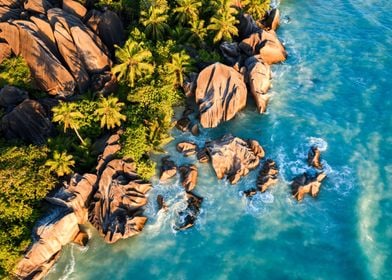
[320, 143]
[70, 268]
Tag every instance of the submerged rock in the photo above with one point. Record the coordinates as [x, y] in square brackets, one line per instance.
[168, 169]
[183, 124]
[117, 207]
[202, 155]
[28, 122]
[233, 157]
[188, 177]
[314, 158]
[307, 183]
[221, 92]
[189, 215]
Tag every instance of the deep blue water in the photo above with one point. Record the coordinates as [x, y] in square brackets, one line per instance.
[334, 90]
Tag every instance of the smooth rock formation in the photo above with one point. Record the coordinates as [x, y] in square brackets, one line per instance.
[307, 183]
[266, 44]
[314, 158]
[168, 169]
[189, 215]
[37, 6]
[183, 124]
[272, 20]
[256, 148]
[11, 96]
[117, 207]
[55, 231]
[112, 146]
[188, 177]
[259, 80]
[268, 175]
[230, 52]
[74, 7]
[28, 122]
[221, 92]
[76, 195]
[81, 239]
[202, 155]
[233, 157]
[186, 148]
[5, 51]
[247, 26]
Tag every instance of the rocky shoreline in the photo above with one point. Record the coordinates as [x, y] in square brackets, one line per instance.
[70, 50]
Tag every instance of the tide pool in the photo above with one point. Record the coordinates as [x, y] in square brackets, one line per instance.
[333, 91]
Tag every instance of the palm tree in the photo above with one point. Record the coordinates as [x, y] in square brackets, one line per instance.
[155, 21]
[199, 31]
[61, 163]
[68, 115]
[180, 63]
[224, 26]
[134, 62]
[187, 10]
[256, 8]
[109, 112]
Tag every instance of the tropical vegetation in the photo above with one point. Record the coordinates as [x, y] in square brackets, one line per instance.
[166, 40]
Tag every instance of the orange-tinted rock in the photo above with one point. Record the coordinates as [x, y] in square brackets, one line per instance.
[38, 6]
[221, 92]
[306, 183]
[168, 169]
[314, 158]
[9, 12]
[202, 156]
[232, 156]
[247, 26]
[81, 239]
[189, 215]
[256, 148]
[268, 175]
[272, 20]
[186, 148]
[46, 34]
[74, 7]
[161, 203]
[55, 231]
[5, 51]
[10, 34]
[116, 210]
[188, 177]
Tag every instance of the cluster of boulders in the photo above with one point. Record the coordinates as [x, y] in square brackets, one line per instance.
[25, 118]
[309, 182]
[66, 47]
[221, 90]
[111, 200]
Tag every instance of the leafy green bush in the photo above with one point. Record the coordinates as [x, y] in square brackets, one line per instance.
[24, 182]
[14, 71]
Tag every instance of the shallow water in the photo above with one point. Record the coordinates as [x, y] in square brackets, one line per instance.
[334, 91]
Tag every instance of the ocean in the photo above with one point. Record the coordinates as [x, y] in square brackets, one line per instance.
[334, 91]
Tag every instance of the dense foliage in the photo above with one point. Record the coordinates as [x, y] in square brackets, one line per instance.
[166, 41]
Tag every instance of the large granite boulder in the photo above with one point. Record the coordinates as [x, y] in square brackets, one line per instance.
[266, 44]
[37, 6]
[117, 207]
[10, 9]
[271, 20]
[307, 183]
[230, 52]
[186, 148]
[188, 216]
[45, 32]
[75, 8]
[246, 26]
[76, 195]
[112, 146]
[233, 157]
[259, 80]
[11, 96]
[5, 51]
[52, 233]
[221, 92]
[10, 33]
[28, 122]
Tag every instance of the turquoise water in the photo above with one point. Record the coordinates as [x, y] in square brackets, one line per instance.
[335, 91]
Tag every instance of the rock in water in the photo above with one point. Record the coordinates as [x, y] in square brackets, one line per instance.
[168, 169]
[188, 177]
[233, 157]
[272, 20]
[183, 124]
[189, 215]
[187, 148]
[117, 207]
[314, 158]
[221, 92]
[28, 122]
[202, 155]
[81, 239]
[259, 80]
[268, 175]
[307, 183]
[53, 233]
[161, 203]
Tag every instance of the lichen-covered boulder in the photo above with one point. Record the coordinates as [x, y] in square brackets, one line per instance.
[28, 122]
[220, 93]
[117, 207]
[232, 157]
